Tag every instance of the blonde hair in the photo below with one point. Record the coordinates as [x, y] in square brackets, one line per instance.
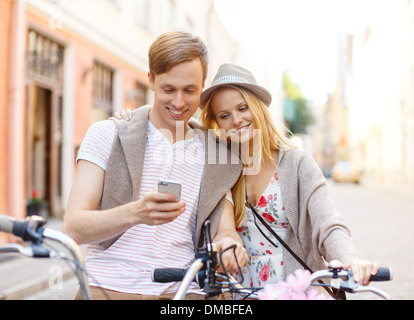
[175, 47]
[271, 140]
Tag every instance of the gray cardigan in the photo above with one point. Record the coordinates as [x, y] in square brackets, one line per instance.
[315, 230]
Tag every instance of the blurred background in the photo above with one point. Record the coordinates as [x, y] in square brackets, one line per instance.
[341, 74]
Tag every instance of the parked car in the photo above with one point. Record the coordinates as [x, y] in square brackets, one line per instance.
[344, 171]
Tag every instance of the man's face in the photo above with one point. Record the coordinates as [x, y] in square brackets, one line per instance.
[176, 94]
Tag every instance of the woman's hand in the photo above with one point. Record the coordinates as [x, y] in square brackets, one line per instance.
[363, 270]
[125, 114]
[228, 258]
[226, 237]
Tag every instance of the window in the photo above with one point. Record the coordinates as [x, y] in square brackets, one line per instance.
[102, 92]
[44, 57]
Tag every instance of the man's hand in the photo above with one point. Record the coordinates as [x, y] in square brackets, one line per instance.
[157, 208]
[85, 224]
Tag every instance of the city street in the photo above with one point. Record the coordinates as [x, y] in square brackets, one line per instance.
[381, 219]
[335, 78]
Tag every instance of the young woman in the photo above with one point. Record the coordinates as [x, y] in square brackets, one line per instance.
[286, 188]
[282, 188]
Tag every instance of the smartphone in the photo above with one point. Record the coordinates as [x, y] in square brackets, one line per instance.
[169, 186]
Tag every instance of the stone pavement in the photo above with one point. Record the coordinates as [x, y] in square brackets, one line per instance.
[23, 277]
[381, 217]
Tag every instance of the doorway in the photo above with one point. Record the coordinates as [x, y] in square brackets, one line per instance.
[43, 151]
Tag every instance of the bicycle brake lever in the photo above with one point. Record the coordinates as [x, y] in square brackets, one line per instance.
[377, 291]
[352, 286]
[34, 251]
[349, 285]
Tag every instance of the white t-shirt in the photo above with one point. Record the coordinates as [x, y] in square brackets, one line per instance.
[126, 266]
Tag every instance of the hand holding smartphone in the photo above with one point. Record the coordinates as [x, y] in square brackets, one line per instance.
[169, 186]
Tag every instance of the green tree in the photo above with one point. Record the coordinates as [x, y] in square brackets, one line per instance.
[297, 114]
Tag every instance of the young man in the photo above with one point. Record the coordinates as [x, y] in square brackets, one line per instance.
[114, 205]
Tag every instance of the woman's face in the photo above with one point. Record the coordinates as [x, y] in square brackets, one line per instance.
[233, 115]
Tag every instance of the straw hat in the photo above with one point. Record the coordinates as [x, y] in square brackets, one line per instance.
[235, 75]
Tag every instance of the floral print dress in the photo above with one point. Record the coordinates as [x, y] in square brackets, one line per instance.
[265, 262]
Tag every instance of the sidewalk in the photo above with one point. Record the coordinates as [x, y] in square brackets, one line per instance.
[399, 190]
[22, 277]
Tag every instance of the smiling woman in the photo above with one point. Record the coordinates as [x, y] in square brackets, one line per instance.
[233, 115]
[286, 192]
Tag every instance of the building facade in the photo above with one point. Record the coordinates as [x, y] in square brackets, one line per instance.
[67, 64]
[381, 108]
[369, 119]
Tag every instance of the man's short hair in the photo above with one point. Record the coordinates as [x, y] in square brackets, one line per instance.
[173, 48]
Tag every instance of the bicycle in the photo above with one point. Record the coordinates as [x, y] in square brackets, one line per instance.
[203, 272]
[32, 230]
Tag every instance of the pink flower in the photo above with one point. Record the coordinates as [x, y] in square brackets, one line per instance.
[275, 291]
[300, 281]
[269, 293]
[297, 296]
[295, 288]
[264, 273]
[262, 202]
[316, 295]
[268, 217]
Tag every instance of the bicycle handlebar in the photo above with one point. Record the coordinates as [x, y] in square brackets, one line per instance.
[177, 274]
[383, 274]
[31, 229]
[28, 230]
[163, 275]
[348, 284]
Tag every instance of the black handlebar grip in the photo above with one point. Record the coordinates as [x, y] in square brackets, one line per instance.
[168, 274]
[383, 274]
